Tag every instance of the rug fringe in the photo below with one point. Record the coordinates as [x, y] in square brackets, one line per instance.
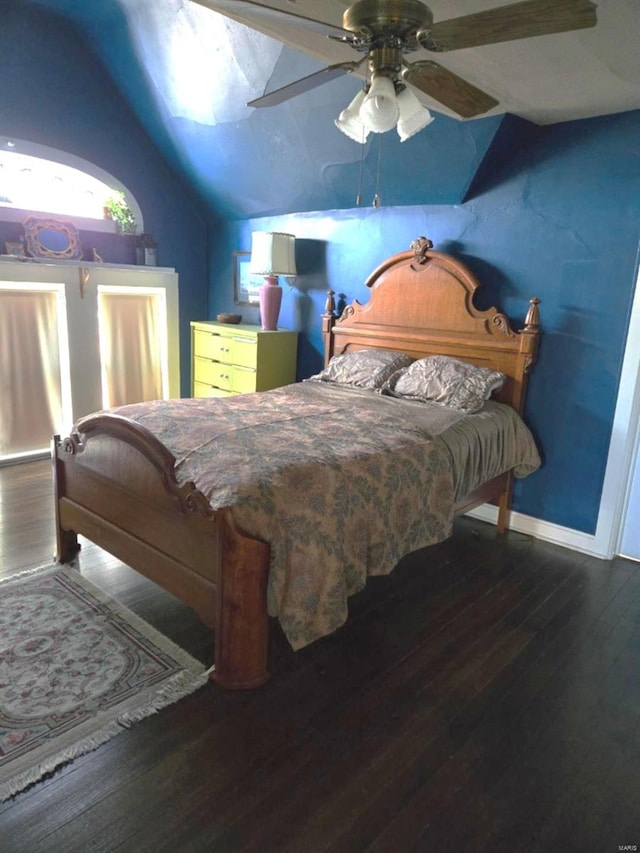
[177, 687]
[180, 685]
[191, 676]
[28, 777]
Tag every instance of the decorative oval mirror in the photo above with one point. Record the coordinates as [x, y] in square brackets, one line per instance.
[50, 238]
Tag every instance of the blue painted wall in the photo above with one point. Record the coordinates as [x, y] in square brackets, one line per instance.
[559, 219]
[550, 212]
[54, 92]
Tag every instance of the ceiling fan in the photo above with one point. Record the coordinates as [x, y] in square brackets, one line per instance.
[385, 30]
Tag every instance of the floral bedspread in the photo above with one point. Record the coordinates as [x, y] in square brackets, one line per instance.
[342, 483]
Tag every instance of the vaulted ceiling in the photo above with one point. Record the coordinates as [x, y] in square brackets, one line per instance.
[188, 72]
[547, 79]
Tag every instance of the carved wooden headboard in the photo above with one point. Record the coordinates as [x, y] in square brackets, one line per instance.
[421, 303]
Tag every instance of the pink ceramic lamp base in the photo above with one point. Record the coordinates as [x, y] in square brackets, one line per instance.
[270, 296]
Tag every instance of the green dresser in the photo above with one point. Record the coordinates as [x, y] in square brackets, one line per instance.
[228, 359]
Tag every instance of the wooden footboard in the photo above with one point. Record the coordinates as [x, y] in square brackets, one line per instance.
[115, 484]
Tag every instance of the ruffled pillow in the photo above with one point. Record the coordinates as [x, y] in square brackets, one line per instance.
[366, 368]
[447, 381]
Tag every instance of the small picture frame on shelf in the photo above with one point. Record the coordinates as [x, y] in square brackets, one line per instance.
[15, 249]
[245, 284]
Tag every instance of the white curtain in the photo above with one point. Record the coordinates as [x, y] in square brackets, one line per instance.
[31, 405]
[133, 361]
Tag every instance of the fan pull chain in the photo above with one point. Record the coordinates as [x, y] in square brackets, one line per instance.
[367, 83]
[359, 196]
[377, 201]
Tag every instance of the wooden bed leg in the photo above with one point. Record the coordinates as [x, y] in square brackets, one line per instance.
[504, 505]
[67, 545]
[242, 622]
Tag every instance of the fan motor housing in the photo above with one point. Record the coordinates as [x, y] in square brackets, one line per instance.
[387, 19]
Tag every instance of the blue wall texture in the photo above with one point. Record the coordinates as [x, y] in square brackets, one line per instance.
[552, 212]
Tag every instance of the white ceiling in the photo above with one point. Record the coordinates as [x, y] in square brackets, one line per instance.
[546, 79]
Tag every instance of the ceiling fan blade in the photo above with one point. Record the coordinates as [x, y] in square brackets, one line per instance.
[449, 89]
[508, 23]
[304, 84]
[276, 16]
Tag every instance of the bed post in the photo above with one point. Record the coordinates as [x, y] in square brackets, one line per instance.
[242, 621]
[529, 338]
[504, 505]
[328, 322]
[66, 540]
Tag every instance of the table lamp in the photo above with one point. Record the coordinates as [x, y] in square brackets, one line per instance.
[272, 255]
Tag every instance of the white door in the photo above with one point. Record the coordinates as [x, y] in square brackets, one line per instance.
[630, 541]
[616, 520]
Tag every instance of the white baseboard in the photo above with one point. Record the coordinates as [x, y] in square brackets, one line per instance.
[565, 536]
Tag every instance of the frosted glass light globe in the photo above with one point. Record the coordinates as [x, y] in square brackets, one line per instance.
[349, 121]
[413, 115]
[379, 111]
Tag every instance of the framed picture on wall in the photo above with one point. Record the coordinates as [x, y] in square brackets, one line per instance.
[16, 249]
[245, 284]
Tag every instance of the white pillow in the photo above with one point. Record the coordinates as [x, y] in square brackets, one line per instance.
[366, 368]
[447, 381]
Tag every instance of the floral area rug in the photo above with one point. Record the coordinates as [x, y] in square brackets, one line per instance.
[76, 668]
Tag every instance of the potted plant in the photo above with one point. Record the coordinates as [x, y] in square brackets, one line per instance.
[117, 208]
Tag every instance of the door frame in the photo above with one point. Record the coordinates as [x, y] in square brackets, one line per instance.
[625, 436]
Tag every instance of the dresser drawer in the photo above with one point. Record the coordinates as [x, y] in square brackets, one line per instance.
[231, 349]
[201, 389]
[211, 345]
[229, 377]
[212, 373]
[244, 351]
[244, 379]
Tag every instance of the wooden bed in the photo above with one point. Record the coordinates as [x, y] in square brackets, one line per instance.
[115, 482]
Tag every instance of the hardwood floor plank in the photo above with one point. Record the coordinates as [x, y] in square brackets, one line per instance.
[518, 733]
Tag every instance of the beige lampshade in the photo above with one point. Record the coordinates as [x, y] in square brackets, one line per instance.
[272, 253]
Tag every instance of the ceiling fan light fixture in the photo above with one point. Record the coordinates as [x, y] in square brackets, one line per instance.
[385, 30]
[379, 111]
[349, 121]
[413, 115]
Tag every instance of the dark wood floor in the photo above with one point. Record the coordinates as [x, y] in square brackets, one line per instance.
[484, 697]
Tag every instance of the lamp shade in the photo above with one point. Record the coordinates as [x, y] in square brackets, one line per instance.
[349, 121]
[379, 110]
[413, 115]
[272, 253]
